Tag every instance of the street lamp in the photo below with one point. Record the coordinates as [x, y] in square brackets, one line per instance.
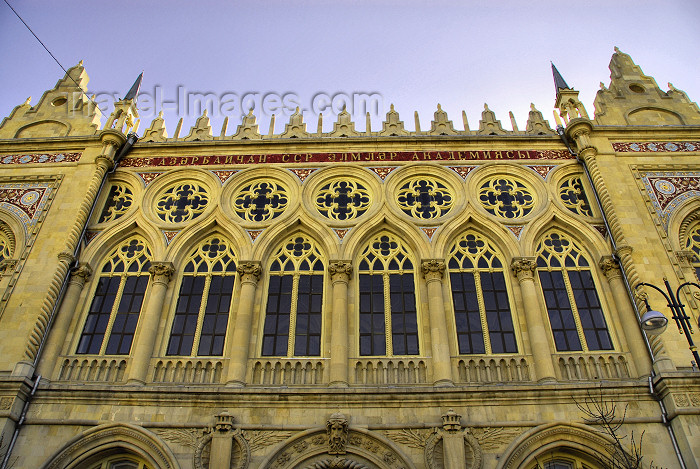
[655, 322]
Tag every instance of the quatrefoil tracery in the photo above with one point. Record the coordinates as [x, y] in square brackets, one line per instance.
[424, 198]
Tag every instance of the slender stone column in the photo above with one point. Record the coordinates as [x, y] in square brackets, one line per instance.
[629, 332]
[453, 441]
[111, 141]
[433, 272]
[524, 270]
[340, 272]
[142, 349]
[249, 272]
[221, 442]
[79, 277]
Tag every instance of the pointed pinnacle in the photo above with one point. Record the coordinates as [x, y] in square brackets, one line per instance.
[134, 90]
[559, 83]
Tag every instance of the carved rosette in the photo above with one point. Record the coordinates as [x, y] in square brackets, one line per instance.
[433, 269]
[250, 272]
[161, 272]
[340, 271]
[337, 430]
[523, 268]
[80, 275]
[610, 267]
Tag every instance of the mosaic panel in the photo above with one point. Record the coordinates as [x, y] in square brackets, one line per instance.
[668, 190]
[34, 158]
[656, 146]
[25, 200]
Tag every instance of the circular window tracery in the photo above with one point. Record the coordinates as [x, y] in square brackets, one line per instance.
[261, 201]
[182, 202]
[424, 198]
[506, 197]
[342, 200]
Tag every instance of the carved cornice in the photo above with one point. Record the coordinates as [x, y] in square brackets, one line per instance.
[340, 271]
[433, 269]
[250, 271]
[161, 272]
[523, 267]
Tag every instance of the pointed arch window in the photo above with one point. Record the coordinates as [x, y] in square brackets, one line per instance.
[204, 302]
[388, 317]
[6, 245]
[115, 307]
[575, 312]
[295, 300]
[480, 297]
[693, 244]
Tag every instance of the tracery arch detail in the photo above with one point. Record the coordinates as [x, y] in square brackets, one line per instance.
[343, 199]
[506, 197]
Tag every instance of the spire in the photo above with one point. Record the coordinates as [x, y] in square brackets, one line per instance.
[559, 83]
[134, 91]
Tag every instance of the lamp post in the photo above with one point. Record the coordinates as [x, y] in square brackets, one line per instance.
[654, 322]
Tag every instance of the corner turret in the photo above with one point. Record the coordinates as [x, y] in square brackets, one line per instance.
[124, 117]
[570, 107]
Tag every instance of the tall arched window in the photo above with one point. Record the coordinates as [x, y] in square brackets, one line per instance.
[575, 312]
[482, 311]
[294, 300]
[114, 311]
[204, 303]
[693, 244]
[388, 318]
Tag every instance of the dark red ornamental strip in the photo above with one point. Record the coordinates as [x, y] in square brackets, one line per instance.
[40, 158]
[656, 146]
[347, 157]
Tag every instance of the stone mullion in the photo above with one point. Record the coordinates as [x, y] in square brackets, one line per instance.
[111, 141]
[574, 310]
[113, 313]
[340, 272]
[54, 344]
[388, 336]
[249, 273]
[482, 311]
[291, 337]
[524, 269]
[200, 315]
[149, 318]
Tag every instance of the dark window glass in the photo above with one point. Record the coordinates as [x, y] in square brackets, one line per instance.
[98, 316]
[307, 340]
[467, 317]
[127, 316]
[186, 315]
[497, 308]
[403, 315]
[372, 327]
[561, 316]
[276, 327]
[216, 314]
[590, 313]
[117, 202]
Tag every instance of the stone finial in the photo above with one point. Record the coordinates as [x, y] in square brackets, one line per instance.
[201, 130]
[393, 125]
[489, 125]
[344, 126]
[451, 422]
[296, 127]
[536, 125]
[29, 100]
[248, 130]
[337, 429]
[156, 132]
[440, 124]
[224, 422]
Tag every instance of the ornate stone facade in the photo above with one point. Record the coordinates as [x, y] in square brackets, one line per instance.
[438, 298]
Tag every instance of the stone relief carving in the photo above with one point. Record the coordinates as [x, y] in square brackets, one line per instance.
[337, 429]
[259, 439]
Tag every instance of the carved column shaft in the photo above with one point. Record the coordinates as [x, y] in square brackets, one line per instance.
[624, 318]
[433, 272]
[249, 273]
[453, 441]
[524, 270]
[221, 442]
[78, 279]
[150, 319]
[340, 272]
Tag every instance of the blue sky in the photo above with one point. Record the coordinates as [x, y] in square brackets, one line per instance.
[414, 54]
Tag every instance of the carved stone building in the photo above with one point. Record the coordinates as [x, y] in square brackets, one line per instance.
[347, 299]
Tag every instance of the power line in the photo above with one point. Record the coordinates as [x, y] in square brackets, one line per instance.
[52, 56]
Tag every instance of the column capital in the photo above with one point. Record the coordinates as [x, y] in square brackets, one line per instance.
[523, 267]
[161, 272]
[340, 271]
[686, 258]
[433, 269]
[250, 271]
[610, 267]
[80, 274]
